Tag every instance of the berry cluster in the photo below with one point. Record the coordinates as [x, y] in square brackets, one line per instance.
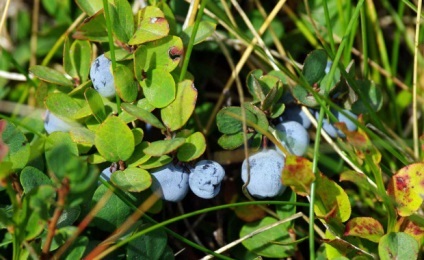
[172, 181]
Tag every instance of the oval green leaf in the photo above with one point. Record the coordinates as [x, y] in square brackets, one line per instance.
[159, 88]
[142, 115]
[179, 111]
[156, 162]
[62, 105]
[314, 66]
[32, 177]
[122, 19]
[114, 140]
[81, 58]
[233, 141]
[132, 179]
[151, 25]
[164, 53]
[193, 148]
[95, 102]
[162, 147]
[398, 246]
[50, 75]
[125, 84]
[139, 156]
[270, 242]
[229, 121]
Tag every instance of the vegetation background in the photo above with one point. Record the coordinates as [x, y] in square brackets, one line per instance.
[380, 42]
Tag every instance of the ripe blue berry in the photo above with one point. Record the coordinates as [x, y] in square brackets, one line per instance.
[265, 174]
[295, 113]
[205, 179]
[327, 126]
[294, 137]
[170, 182]
[101, 76]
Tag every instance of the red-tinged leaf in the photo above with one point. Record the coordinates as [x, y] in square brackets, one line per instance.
[407, 188]
[332, 201]
[364, 227]
[361, 142]
[298, 174]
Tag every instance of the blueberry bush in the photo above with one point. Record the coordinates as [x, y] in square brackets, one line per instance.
[211, 129]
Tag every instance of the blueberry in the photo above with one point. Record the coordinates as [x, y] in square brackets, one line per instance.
[53, 123]
[265, 174]
[294, 137]
[331, 129]
[205, 180]
[101, 76]
[351, 126]
[327, 126]
[295, 113]
[106, 174]
[171, 182]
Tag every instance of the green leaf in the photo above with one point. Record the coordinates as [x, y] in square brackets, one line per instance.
[77, 248]
[138, 135]
[151, 25]
[176, 114]
[132, 179]
[122, 19]
[261, 120]
[31, 178]
[113, 213]
[297, 174]
[93, 28]
[95, 102]
[253, 84]
[82, 135]
[90, 7]
[62, 156]
[372, 96]
[332, 201]
[407, 188]
[193, 148]
[232, 141]
[162, 147]
[164, 53]
[68, 65]
[126, 86]
[139, 156]
[140, 62]
[149, 246]
[398, 246]
[142, 115]
[227, 120]
[81, 58]
[205, 30]
[18, 146]
[314, 66]
[62, 105]
[159, 88]
[263, 243]
[50, 75]
[156, 162]
[364, 227]
[114, 140]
